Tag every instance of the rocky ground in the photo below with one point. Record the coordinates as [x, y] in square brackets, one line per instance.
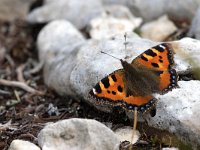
[49, 60]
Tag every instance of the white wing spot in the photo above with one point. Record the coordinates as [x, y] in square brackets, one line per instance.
[94, 91]
[162, 46]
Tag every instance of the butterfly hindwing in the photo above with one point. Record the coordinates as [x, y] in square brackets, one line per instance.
[111, 90]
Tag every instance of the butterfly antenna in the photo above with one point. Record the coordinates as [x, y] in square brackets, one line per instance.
[110, 55]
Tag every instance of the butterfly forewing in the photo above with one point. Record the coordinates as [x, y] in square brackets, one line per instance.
[160, 59]
[111, 89]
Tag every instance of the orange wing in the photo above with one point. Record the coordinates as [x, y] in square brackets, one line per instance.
[111, 90]
[159, 59]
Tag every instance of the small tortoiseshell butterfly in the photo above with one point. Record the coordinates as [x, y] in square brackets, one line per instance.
[132, 87]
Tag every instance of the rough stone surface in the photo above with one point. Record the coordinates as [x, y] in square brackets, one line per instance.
[122, 12]
[187, 54]
[170, 148]
[159, 29]
[126, 133]
[117, 19]
[19, 9]
[178, 112]
[58, 43]
[22, 145]
[195, 26]
[107, 27]
[75, 134]
[79, 13]
[150, 10]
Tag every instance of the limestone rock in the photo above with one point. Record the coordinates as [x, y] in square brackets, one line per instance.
[159, 29]
[79, 13]
[58, 43]
[22, 145]
[126, 133]
[75, 134]
[178, 111]
[151, 10]
[195, 26]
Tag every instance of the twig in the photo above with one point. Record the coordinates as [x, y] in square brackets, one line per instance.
[4, 92]
[17, 96]
[19, 71]
[36, 69]
[21, 85]
[10, 60]
[27, 135]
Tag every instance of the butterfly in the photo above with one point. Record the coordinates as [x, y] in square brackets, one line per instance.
[133, 86]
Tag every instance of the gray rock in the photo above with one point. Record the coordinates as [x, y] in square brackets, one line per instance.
[150, 10]
[107, 27]
[19, 9]
[195, 26]
[79, 13]
[22, 145]
[158, 30]
[187, 54]
[170, 148]
[77, 134]
[121, 12]
[117, 20]
[58, 43]
[178, 112]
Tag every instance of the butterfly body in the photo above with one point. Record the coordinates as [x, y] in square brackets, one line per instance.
[132, 86]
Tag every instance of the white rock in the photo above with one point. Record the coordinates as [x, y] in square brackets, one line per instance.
[178, 112]
[122, 12]
[126, 133]
[159, 29]
[117, 20]
[19, 9]
[77, 134]
[107, 27]
[58, 43]
[195, 26]
[150, 10]
[22, 145]
[170, 148]
[79, 13]
[187, 54]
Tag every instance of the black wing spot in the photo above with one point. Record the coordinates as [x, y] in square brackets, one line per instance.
[160, 57]
[161, 61]
[120, 89]
[150, 53]
[113, 92]
[108, 91]
[98, 88]
[114, 78]
[105, 82]
[155, 65]
[160, 49]
[144, 58]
